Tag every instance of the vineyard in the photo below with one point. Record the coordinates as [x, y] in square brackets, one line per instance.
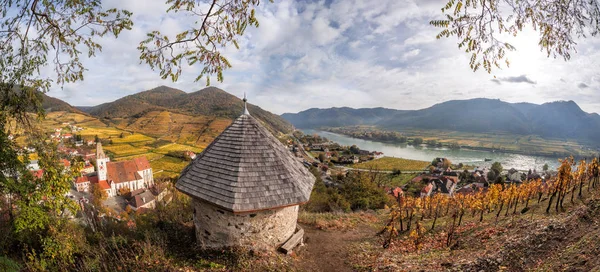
[390, 164]
[413, 218]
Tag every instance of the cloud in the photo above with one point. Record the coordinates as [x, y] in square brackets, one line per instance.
[516, 79]
[353, 53]
[582, 85]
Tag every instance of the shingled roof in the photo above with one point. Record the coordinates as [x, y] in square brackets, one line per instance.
[246, 169]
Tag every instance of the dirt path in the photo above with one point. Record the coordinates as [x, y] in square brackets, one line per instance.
[329, 250]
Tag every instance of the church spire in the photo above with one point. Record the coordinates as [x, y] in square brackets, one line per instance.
[99, 152]
[245, 107]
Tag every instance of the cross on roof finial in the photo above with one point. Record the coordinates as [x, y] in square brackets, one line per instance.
[245, 108]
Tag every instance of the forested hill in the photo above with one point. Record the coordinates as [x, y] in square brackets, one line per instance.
[561, 119]
[210, 101]
[51, 104]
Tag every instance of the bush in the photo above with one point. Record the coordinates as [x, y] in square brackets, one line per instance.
[8, 265]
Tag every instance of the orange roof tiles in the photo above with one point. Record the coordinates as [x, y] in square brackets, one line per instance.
[82, 179]
[104, 185]
[126, 171]
[66, 163]
[37, 173]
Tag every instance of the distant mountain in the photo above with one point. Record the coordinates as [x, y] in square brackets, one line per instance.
[338, 117]
[561, 119]
[51, 104]
[210, 101]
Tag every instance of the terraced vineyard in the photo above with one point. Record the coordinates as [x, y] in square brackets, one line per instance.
[198, 131]
[155, 135]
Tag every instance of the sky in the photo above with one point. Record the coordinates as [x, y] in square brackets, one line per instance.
[334, 53]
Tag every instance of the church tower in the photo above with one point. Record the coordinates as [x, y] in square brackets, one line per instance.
[101, 162]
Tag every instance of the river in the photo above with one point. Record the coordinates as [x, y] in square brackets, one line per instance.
[465, 156]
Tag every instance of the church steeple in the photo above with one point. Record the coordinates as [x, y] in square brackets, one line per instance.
[245, 107]
[99, 152]
[101, 162]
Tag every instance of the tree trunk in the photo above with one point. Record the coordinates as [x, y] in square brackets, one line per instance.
[550, 202]
[499, 210]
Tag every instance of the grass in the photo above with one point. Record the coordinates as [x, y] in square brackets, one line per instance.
[133, 138]
[123, 150]
[169, 164]
[390, 164]
[337, 221]
[150, 156]
[402, 179]
[176, 147]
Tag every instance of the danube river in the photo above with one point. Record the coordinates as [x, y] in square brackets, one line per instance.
[466, 156]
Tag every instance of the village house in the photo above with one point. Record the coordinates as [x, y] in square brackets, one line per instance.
[246, 188]
[132, 174]
[190, 154]
[472, 188]
[87, 169]
[437, 184]
[83, 183]
[33, 165]
[377, 155]
[319, 146]
[142, 199]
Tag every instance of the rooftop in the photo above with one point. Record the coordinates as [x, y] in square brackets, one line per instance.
[246, 169]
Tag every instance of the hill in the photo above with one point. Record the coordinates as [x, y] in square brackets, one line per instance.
[210, 101]
[51, 104]
[561, 119]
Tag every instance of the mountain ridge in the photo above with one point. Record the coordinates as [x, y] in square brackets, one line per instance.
[209, 101]
[558, 119]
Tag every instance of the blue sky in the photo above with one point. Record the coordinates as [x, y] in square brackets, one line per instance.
[343, 53]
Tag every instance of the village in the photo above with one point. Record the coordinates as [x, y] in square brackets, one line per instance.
[439, 177]
[121, 186]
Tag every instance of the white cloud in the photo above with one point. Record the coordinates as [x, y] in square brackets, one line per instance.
[354, 53]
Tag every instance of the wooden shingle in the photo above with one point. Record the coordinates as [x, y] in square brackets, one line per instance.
[246, 169]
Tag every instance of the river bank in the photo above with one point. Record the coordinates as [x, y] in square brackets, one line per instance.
[463, 155]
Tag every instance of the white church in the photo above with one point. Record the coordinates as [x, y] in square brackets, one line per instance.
[112, 176]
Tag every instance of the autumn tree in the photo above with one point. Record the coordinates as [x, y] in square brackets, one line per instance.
[98, 195]
[479, 25]
[497, 167]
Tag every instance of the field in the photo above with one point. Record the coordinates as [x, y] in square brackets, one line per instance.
[197, 131]
[390, 164]
[169, 165]
[176, 147]
[153, 135]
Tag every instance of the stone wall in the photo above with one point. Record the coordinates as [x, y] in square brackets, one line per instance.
[217, 228]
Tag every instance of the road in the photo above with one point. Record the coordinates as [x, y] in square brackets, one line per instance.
[307, 155]
[378, 171]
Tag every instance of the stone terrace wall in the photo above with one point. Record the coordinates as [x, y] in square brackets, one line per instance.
[217, 228]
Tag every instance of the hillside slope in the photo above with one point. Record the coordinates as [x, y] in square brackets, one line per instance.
[562, 119]
[210, 101]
